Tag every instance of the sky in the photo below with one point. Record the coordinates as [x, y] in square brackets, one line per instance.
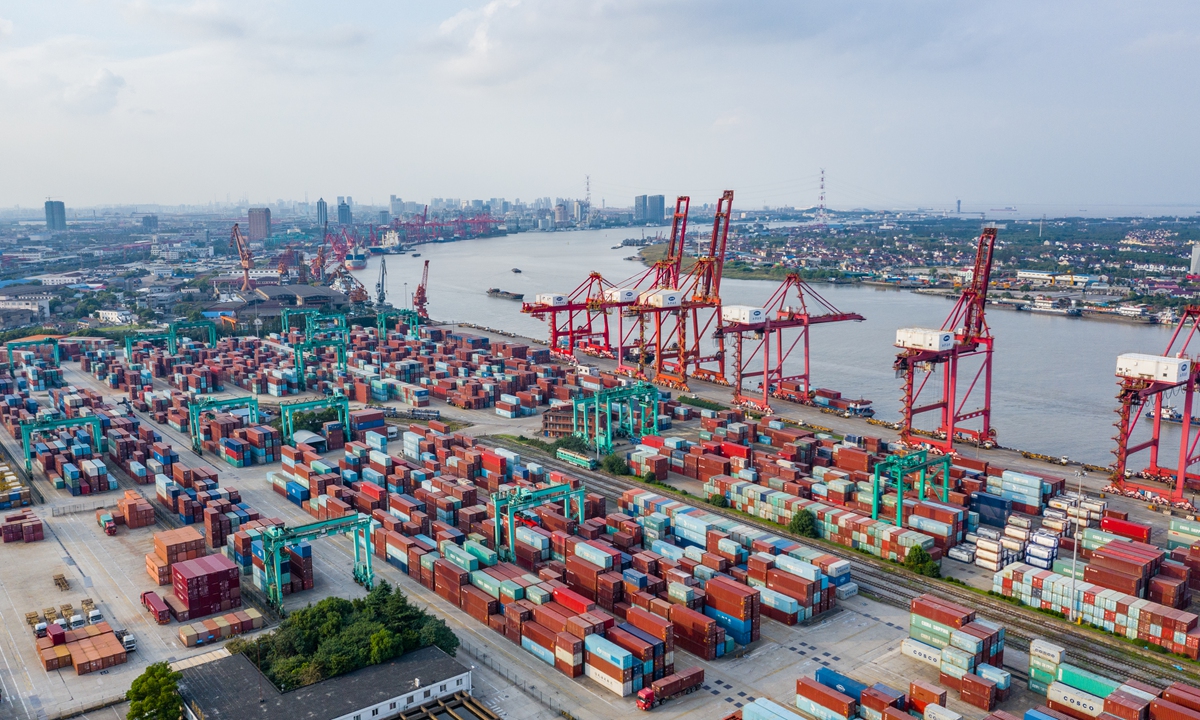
[904, 104]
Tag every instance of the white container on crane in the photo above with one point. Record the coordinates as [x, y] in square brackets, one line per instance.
[620, 295]
[1153, 367]
[743, 314]
[661, 298]
[924, 339]
[551, 299]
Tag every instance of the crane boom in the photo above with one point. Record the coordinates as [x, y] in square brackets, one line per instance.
[244, 255]
[421, 296]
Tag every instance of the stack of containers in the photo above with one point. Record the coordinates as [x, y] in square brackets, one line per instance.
[1116, 612]
[170, 547]
[823, 702]
[968, 652]
[1022, 488]
[207, 585]
[735, 607]
[1042, 549]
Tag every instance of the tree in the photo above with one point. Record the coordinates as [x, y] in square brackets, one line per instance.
[804, 524]
[572, 443]
[718, 500]
[614, 464]
[649, 477]
[921, 563]
[154, 695]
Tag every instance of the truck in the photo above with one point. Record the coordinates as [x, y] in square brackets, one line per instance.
[153, 602]
[127, 640]
[670, 687]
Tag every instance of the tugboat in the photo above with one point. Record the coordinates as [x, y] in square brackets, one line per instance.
[517, 270]
[1171, 414]
[497, 292]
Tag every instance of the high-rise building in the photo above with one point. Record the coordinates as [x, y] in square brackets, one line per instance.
[322, 212]
[396, 205]
[1195, 269]
[344, 215]
[655, 208]
[56, 215]
[639, 208]
[384, 217]
[150, 223]
[260, 223]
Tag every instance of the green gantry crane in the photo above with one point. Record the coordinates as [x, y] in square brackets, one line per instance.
[275, 539]
[898, 467]
[17, 344]
[637, 414]
[147, 337]
[289, 313]
[299, 348]
[289, 410]
[197, 325]
[29, 429]
[406, 316]
[510, 502]
[196, 407]
[314, 321]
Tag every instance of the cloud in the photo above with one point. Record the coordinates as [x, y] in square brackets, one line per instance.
[95, 96]
[6, 28]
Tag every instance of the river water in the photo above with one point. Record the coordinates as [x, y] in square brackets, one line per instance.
[1053, 389]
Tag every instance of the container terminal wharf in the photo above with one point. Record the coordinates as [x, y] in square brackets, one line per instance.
[861, 638]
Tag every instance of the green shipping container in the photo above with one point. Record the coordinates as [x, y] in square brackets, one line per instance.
[1041, 675]
[1038, 688]
[1088, 682]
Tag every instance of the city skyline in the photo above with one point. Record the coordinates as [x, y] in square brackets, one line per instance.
[992, 104]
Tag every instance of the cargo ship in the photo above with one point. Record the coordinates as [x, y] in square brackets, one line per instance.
[356, 259]
[497, 292]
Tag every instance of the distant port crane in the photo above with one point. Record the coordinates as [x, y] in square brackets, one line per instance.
[1148, 378]
[420, 299]
[963, 340]
[245, 257]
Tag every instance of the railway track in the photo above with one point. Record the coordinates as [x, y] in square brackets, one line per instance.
[895, 586]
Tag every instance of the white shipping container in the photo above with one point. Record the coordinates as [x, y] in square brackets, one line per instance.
[622, 295]
[1085, 703]
[611, 684]
[551, 299]
[1016, 533]
[1153, 367]
[918, 650]
[1046, 650]
[987, 545]
[661, 298]
[937, 712]
[924, 339]
[987, 564]
[743, 314]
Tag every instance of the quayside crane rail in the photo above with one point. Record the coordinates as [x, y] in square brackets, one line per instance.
[768, 334]
[964, 340]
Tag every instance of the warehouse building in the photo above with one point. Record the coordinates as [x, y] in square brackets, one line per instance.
[231, 688]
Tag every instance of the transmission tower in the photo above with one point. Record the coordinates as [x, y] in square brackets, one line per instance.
[821, 219]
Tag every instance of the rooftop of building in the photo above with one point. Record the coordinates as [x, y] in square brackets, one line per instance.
[230, 688]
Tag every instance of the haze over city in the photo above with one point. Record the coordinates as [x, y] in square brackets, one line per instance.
[1065, 107]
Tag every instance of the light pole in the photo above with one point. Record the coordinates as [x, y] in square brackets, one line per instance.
[1080, 474]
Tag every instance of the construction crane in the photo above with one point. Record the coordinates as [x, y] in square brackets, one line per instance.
[1145, 378]
[244, 255]
[381, 284]
[963, 338]
[420, 299]
[766, 326]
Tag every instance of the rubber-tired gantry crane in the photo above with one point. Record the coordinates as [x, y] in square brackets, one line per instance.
[1150, 378]
[963, 338]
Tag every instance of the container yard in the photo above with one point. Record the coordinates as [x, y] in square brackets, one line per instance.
[620, 598]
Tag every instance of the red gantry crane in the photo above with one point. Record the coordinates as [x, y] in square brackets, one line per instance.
[1144, 378]
[420, 299]
[244, 255]
[964, 338]
[766, 326]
